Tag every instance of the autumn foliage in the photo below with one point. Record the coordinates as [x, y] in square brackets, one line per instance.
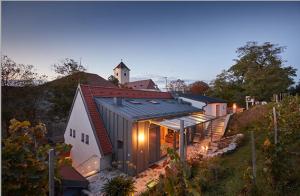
[24, 159]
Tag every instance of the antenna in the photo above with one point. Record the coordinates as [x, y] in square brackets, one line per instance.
[166, 78]
[80, 61]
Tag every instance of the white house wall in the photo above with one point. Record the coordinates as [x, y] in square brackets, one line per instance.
[210, 109]
[81, 152]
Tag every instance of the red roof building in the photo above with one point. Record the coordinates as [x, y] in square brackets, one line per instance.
[142, 85]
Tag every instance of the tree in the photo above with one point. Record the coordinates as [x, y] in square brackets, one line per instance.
[21, 91]
[68, 67]
[13, 74]
[113, 80]
[295, 89]
[24, 159]
[259, 71]
[198, 87]
[177, 86]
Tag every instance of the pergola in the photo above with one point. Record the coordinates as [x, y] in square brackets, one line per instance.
[189, 121]
[179, 124]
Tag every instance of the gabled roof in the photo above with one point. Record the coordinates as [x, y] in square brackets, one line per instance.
[142, 84]
[203, 98]
[121, 66]
[91, 92]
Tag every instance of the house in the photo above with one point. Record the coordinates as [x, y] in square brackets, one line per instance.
[211, 106]
[143, 85]
[122, 73]
[128, 129]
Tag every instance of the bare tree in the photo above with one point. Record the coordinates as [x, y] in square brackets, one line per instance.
[177, 86]
[68, 67]
[13, 74]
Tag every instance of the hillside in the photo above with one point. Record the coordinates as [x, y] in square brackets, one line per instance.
[277, 165]
[236, 180]
[49, 103]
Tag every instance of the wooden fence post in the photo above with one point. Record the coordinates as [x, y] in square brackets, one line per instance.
[275, 126]
[181, 141]
[253, 157]
[51, 172]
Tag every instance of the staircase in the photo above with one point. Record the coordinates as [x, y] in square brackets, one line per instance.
[216, 130]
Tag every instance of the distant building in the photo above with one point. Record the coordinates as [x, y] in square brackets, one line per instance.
[121, 72]
[143, 85]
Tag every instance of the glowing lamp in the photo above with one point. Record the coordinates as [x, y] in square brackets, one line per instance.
[141, 137]
[234, 108]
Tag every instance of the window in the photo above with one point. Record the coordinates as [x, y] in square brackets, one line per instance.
[125, 74]
[82, 137]
[120, 144]
[117, 74]
[71, 132]
[87, 139]
[74, 134]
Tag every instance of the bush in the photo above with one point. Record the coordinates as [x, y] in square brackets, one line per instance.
[119, 186]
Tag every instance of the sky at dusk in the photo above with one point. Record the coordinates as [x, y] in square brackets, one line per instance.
[186, 40]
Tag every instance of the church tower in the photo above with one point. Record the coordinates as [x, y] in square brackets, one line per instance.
[121, 72]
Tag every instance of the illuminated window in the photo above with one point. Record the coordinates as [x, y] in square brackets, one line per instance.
[71, 132]
[87, 139]
[74, 133]
[82, 137]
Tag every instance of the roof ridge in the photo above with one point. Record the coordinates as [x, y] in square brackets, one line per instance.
[124, 89]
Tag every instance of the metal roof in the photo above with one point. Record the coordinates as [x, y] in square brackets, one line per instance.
[201, 98]
[143, 109]
[189, 121]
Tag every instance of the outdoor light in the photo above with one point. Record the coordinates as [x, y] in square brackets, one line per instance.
[141, 137]
[234, 108]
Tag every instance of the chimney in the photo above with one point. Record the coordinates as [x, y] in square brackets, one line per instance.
[118, 101]
[180, 101]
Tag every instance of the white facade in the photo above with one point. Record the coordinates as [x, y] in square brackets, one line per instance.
[85, 157]
[209, 109]
[122, 74]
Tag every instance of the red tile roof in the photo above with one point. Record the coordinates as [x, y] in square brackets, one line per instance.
[142, 84]
[69, 173]
[89, 92]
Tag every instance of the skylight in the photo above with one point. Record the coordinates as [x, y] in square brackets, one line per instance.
[153, 102]
[134, 101]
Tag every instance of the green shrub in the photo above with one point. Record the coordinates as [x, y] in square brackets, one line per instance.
[119, 186]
